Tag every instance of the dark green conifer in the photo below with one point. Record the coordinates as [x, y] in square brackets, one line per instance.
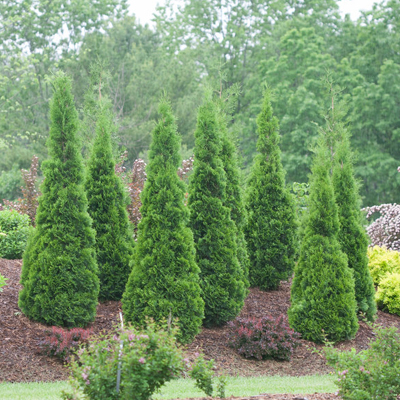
[107, 207]
[234, 193]
[353, 238]
[323, 297]
[165, 276]
[271, 226]
[214, 231]
[59, 278]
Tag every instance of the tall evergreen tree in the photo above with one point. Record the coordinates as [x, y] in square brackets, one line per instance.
[322, 295]
[59, 277]
[165, 276]
[222, 279]
[234, 193]
[107, 207]
[271, 227]
[353, 238]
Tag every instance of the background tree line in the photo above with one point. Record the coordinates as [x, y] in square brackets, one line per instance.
[289, 44]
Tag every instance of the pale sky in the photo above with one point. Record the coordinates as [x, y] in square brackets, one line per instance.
[144, 9]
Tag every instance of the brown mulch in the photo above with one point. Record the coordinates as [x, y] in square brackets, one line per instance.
[21, 360]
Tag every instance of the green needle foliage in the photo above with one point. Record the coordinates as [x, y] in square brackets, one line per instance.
[59, 270]
[353, 238]
[271, 227]
[323, 298]
[106, 198]
[234, 193]
[214, 231]
[165, 277]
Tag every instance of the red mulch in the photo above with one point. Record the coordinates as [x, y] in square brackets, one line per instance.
[21, 361]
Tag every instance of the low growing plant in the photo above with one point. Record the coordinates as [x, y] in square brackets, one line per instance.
[146, 359]
[2, 282]
[371, 374]
[388, 294]
[62, 343]
[263, 338]
[14, 228]
[381, 262]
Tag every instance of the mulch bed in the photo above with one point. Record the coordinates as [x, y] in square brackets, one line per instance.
[21, 361]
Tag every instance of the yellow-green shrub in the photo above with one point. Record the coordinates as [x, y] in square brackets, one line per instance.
[388, 294]
[381, 262]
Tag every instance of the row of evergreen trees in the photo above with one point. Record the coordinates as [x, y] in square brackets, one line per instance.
[193, 262]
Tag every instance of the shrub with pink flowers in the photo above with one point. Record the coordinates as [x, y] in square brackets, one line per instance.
[146, 359]
[62, 343]
[371, 374]
[263, 338]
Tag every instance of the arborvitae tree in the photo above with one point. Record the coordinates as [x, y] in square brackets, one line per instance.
[214, 231]
[323, 296]
[234, 193]
[107, 207]
[352, 235]
[165, 277]
[59, 270]
[271, 226]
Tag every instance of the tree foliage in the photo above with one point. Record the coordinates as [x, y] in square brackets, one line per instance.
[322, 294]
[222, 279]
[164, 281]
[59, 274]
[271, 227]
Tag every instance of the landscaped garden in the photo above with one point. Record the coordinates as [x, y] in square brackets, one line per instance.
[160, 278]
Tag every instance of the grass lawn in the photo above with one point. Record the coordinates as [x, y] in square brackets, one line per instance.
[183, 388]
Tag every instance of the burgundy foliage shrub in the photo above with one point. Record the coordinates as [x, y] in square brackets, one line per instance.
[61, 342]
[263, 338]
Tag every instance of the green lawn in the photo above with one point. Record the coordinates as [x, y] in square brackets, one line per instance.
[182, 388]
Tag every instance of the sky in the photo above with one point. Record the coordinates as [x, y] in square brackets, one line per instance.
[144, 9]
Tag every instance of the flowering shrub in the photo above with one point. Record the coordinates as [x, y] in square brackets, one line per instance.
[263, 338]
[388, 294]
[62, 343]
[385, 230]
[147, 360]
[382, 261]
[371, 374]
[14, 229]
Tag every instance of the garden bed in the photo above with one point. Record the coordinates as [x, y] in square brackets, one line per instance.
[20, 360]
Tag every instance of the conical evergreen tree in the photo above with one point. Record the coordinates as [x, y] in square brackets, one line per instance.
[59, 271]
[107, 207]
[353, 238]
[323, 296]
[234, 193]
[214, 231]
[165, 276]
[271, 226]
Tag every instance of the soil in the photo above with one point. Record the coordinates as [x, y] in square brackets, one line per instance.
[22, 361]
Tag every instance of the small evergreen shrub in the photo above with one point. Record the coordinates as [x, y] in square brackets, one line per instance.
[149, 359]
[371, 374]
[263, 338]
[2, 282]
[388, 294]
[15, 229]
[381, 262]
[62, 343]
